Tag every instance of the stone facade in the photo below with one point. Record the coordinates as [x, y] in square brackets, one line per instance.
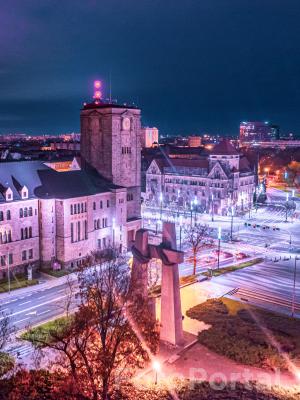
[55, 215]
[209, 184]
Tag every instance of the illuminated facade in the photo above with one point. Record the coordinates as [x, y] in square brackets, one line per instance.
[56, 214]
[213, 183]
[149, 137]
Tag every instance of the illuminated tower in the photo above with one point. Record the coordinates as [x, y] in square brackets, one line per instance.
[111, 143]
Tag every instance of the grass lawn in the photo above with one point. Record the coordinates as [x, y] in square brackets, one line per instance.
[42, 332]
[248, 334]
[184, 280]
[56, 274]
[16, 283]
[7, 362]
[232, 268]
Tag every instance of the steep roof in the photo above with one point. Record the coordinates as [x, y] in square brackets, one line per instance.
[224, 148]
[44, 182]
[181, 162]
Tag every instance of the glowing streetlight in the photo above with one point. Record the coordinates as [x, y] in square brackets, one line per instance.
[157, 368]
[113, 229]
[293, 193]
[231, 226]
[219, 244]
[180, 227]
[287, 196]
[161, 202]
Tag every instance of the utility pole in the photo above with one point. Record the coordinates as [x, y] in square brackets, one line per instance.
[294, 288]
[231, 225]
[219, 244]
[8, 273]
[180, 227]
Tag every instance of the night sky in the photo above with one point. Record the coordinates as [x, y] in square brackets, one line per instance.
[193, 66]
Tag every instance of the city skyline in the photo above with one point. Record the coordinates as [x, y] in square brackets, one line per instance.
[219, 63]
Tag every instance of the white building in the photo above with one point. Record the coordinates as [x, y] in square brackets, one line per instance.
[212, 183]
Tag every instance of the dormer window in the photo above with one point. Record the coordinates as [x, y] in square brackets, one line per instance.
[24, 193]
[8, 194]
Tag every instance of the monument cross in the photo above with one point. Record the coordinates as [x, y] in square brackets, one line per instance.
[171, 316]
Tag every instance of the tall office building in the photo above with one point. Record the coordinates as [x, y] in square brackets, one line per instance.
[258, 132]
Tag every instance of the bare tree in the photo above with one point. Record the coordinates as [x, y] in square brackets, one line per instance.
[198, 237]
[110, 335]
[6, 330]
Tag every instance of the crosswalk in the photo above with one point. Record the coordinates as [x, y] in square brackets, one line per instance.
[21, 351]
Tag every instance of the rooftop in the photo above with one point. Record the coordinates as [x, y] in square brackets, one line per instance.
[224, 148]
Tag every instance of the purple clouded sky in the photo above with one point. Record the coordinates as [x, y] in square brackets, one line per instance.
[192, 66]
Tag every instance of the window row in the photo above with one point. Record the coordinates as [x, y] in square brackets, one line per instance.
[101, 204]
[103, 243]
[27, 254]
[79, 231]
[26, 212]
[126, 150]
[8, 215]
[98, 225]
[26, 233]
[5, 237]
[129, 196]
[3, 260]
[78, 208]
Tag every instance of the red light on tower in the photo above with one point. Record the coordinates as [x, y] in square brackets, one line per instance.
[97, 84]
[97, 93]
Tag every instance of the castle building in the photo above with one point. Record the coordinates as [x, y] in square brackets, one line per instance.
[211, 183]
[55, 216]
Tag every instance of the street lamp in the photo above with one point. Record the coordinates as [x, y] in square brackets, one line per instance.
[196, 204]
[157, 367]
[293, 193]
[178, 194]
[286, 207]
[294, 287]
[113, 229]
[8, 272]
[161, 202]
[219, 244]
[231, 225]
[180, 228]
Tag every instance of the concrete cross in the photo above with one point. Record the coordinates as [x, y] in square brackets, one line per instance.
[171, 315]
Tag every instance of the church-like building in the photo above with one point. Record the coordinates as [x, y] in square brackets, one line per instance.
[214, 182]
[54, 217]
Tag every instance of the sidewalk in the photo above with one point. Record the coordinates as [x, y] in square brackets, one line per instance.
[45, 282]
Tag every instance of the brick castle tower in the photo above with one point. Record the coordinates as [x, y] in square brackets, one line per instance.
[111, 143]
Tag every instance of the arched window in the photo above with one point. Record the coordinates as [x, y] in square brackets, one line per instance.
[82, 207]
[30, 232]
[9, 237]
[75, 208]
[8, 215]
[25, 212]
[71, 209]
[1, 216]
[26, 233]
[30, 211]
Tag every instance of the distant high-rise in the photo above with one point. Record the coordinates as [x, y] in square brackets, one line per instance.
[149, 137]
[258, 132]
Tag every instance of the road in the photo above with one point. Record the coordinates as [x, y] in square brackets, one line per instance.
[37, 305]
[264, 280]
